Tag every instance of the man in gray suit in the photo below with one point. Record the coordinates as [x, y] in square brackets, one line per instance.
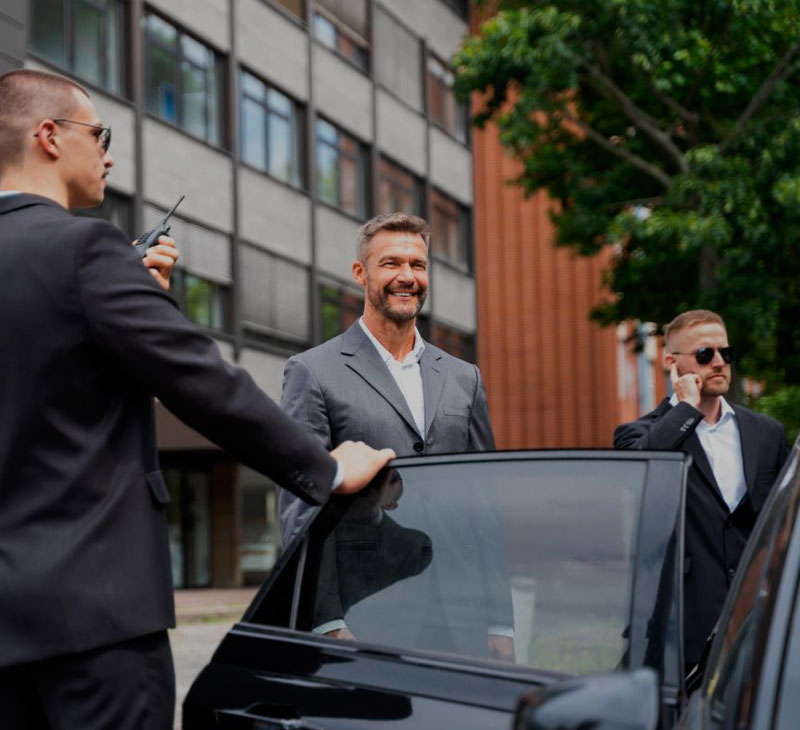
[381, 383]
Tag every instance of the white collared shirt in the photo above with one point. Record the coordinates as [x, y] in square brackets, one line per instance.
[8, 193]
[406, 374]
[723, 446]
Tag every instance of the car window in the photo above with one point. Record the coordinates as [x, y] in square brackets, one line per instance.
[734, 668]
[530, 562]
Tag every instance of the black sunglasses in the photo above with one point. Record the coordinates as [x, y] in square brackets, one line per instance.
[705, 355]
[103, 134]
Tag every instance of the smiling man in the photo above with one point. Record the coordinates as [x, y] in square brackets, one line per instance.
[380, 381]
[736, 457]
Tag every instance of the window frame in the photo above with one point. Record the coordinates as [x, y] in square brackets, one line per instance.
[124, 40]
[416, 190]
[460, 132]
[335, 294]
[341, 32]
[179, 57]
[658, 568]
[362, 165]
[296, 122]
[222, 296]
[466, 262]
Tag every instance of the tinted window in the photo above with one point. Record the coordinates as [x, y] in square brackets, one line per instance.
[482, 558]
[733, 672]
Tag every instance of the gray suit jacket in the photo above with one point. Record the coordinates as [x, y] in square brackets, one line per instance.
[342, 390]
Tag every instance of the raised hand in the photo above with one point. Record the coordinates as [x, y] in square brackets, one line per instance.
[687, 387]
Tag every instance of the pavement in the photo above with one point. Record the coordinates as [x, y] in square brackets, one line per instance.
[204, 617]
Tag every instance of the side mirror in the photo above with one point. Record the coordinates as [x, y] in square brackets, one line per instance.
[619, 701]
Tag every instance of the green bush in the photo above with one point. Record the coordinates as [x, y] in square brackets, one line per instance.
[783, 405]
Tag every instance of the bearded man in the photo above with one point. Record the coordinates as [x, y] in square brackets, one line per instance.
[381, 381]
[736, 457]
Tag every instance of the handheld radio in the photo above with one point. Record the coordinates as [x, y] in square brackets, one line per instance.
[150, 238]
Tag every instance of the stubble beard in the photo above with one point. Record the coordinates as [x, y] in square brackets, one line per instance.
[380, 300]
[712, 388]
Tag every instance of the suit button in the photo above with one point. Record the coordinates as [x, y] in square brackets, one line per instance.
[728, 524]
[419, 446]
[731, 572]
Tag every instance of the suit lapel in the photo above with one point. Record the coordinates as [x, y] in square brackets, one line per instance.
[748, 436]
[433, 378]
[695, 448]
[362, 357]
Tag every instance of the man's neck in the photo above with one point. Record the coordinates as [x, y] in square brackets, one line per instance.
[396, 337]
[36, 185]
[711, 407]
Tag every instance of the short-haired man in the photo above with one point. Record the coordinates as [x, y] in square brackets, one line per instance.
[381, 381]
[736, 457]
[86, 338]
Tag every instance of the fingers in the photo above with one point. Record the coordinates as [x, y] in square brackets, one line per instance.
[360, 463]
[160, 260]
[673, 375]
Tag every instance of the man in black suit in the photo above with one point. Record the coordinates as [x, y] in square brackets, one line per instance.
[736, 457]
[87, 337]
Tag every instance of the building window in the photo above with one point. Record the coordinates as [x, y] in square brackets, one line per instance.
[443, 109]
[275, 298]
[85, 37]
[456, 343]
[271, 130]
[295, 7]
[341, 169]
[450, 240]
[398, 190]
[341, 25]
[182, 80]
[340, 309]
[203, 301]
[116, 208]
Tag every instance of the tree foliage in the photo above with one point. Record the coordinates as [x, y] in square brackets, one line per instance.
[670, 131]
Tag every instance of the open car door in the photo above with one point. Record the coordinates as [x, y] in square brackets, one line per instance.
[464, 580]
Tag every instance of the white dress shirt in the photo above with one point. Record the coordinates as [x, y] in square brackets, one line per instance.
[723, 447]
[406, 374]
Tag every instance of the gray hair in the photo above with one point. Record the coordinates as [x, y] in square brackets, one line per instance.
[397, 222]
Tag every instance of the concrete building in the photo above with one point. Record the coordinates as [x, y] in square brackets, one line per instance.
[285, 123]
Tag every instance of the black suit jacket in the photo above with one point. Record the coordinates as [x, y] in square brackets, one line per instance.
[714, 537]
[86, 338]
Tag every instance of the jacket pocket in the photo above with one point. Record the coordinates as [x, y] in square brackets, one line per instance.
[158, 487]
[450, 411]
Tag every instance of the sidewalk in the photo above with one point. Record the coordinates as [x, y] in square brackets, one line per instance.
[212, 604]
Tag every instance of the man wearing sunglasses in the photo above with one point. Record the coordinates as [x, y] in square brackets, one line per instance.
[87, 338]
[736, 457]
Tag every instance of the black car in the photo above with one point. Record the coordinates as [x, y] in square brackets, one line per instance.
[750, 678]
[465, 580]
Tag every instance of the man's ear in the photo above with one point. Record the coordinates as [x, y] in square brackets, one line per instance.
[46, 136]
[669, 361]
[358, 272]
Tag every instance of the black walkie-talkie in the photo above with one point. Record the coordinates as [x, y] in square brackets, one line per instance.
[146, 240]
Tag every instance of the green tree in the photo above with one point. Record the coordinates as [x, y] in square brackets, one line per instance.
[670, 131]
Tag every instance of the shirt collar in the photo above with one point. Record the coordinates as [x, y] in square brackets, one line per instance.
[727, 409]
[416, 351]
[8, 193]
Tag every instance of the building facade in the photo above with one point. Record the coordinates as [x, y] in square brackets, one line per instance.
[286, 123]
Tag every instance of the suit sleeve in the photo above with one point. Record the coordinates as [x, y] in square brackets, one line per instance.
[139, 327]
[481, 437]
[664, 432]
[301, 399]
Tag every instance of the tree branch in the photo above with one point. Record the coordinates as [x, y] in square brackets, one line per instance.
[644, 121]
[632, 159]
[781, 70]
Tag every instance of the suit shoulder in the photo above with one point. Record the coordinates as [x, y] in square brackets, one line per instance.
[451, 362]
[764, 420]
[318, 356]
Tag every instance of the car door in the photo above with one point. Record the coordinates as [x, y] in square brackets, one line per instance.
[463, 580]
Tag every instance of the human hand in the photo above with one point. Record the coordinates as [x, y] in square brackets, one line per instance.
[687, 387]
[160, 259]
[501, 648]
[343, 633]
[360, 463]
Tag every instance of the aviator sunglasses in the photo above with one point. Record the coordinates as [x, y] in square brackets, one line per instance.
[102, 134]
[705, 355]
